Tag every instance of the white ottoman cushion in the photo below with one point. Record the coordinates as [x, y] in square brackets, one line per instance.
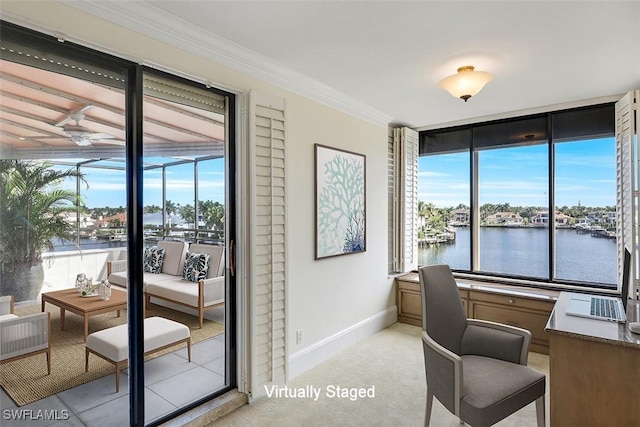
[113, 342]
[160, 332]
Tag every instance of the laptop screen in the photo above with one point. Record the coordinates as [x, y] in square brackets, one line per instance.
[626, 268]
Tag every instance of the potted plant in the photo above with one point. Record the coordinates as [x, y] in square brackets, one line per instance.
[32, 207]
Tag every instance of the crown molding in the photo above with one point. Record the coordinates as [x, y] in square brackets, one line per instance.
[146, 19]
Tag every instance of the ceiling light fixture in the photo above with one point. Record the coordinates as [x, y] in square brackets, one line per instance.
[466, 83]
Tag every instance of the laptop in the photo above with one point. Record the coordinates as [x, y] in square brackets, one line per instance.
[603, 307]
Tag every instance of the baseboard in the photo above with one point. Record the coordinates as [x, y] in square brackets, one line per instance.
[311, 356]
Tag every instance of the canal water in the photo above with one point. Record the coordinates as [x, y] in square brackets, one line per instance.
[524, 251]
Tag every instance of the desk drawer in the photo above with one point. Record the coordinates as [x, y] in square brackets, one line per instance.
[533, 321]
[514, 301]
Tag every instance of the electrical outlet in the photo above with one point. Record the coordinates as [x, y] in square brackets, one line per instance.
[298, 336]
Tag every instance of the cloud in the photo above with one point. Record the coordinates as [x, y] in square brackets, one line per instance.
[431, 174]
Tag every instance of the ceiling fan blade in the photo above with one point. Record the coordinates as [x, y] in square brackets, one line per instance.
[49, 137]
[99, 136]
[110, 142]
[67, 119]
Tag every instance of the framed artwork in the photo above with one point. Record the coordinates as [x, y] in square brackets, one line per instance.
[340, 192]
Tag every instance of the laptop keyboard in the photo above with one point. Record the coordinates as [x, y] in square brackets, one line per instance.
[604, 308]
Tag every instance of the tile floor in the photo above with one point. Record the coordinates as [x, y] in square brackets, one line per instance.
[97, 404]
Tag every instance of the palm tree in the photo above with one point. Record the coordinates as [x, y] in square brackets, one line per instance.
[213, 214]
[32, 207]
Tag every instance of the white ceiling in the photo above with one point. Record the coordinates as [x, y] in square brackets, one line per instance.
[388, 56]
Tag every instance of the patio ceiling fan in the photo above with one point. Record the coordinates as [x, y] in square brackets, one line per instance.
[81, 135]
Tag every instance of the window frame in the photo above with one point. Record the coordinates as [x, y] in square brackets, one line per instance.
[452, 144]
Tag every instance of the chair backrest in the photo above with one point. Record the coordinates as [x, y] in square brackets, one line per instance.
[443, 316]
[216, 257]
[6, 305]
[174, 254]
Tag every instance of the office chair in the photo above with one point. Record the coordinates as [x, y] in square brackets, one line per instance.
[476, 369]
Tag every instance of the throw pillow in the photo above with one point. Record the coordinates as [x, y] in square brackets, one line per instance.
[152, 260]
[196, 267]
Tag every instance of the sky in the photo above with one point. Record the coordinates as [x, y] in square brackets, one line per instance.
[107, 186]
[585, 174]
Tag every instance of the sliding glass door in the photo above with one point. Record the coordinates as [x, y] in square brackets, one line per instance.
[127, 158]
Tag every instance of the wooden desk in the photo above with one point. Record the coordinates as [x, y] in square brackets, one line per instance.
[517, 306]
[594, 369]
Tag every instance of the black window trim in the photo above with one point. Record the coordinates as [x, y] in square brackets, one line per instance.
[551, 282]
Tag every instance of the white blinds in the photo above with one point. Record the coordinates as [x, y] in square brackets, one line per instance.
[404, 230]
[392, 208]
[628, 183]
[268, 251]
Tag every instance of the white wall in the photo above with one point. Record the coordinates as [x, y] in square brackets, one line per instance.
[334, 301]
[61, 268]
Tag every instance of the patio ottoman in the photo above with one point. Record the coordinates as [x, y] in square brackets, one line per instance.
[112, 344]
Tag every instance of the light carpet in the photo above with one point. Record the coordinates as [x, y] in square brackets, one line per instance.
[392, 362]
[26, 380]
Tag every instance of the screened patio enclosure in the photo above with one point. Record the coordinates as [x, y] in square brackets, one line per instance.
[72, 115]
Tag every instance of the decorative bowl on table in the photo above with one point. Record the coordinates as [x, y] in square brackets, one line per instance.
[89, 289]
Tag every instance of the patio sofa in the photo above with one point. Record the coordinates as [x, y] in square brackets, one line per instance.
[170, 284]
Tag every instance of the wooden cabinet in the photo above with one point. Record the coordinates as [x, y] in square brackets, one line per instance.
[523, 312]
[409, 301]
[528, 308]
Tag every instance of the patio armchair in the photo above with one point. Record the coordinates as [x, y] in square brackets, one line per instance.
[23, 336]
[476, 369]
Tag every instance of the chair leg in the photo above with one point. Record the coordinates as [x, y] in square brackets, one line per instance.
[540, 412]
[427, 412]
[147, 301]
[86, 359]
[48, 362]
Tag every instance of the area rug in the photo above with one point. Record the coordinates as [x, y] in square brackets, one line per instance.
[26, 380]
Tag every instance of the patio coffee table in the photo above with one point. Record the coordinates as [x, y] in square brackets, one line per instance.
[70, 299]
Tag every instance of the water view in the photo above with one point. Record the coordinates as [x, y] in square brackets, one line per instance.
[523, 251]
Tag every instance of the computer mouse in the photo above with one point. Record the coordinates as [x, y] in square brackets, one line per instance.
[634, 327]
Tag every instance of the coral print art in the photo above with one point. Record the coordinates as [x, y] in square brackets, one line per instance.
[340, 202]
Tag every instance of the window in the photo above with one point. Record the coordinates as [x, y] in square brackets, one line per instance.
[485, 192]
[586, 206]
[443, 210]
[513, 198]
